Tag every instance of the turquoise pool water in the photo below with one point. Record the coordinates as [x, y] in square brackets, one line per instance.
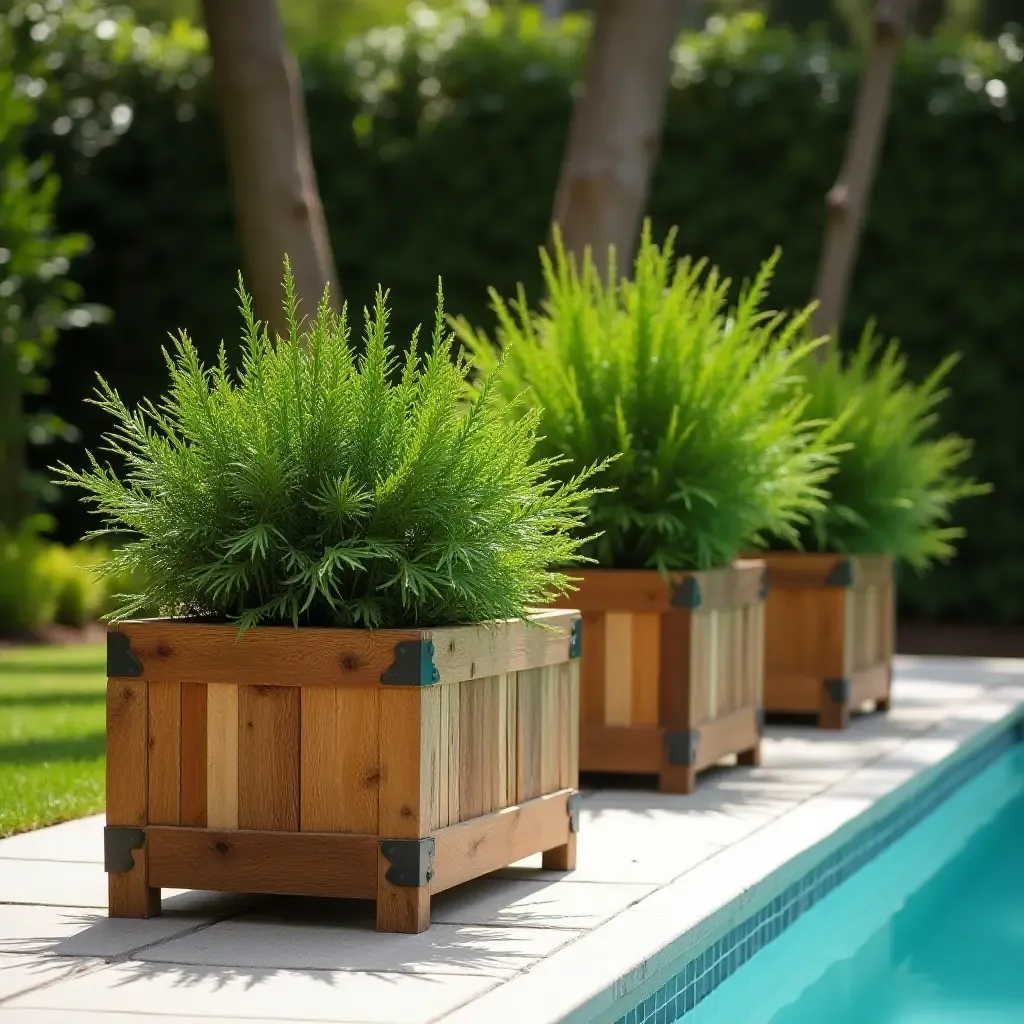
[929, 932]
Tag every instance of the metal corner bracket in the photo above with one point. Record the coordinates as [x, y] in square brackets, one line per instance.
[572, 804]
[121, 660]
[686, 593]
[411, 860]
[118, 843]
[841, 574]
[681, 746]
[762, 590]
[759, 718]
[576, 639]
[413, 665]
[839, 690]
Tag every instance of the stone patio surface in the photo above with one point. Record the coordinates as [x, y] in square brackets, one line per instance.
[656, 875]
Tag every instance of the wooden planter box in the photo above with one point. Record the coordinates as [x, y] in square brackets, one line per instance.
[672, 670]
[386, 765]
[831, 627]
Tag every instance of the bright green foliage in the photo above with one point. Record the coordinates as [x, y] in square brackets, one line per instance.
[317, 489]
[700, 400]
[897, 480]
[28, 593]
[52, 711]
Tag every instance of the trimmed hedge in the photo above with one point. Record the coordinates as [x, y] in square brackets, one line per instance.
[437, 150]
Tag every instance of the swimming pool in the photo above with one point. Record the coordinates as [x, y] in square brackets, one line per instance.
[919, 919]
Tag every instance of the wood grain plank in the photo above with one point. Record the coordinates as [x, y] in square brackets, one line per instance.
[618, 661]
[511, 738]
[499, 763]
[298, 863]
[528, 737]
[454, 752]
[340, 768]
[444, 757]
[472, 752]
[491, 649]
[592, 669]
[630, 749]
[164, 753]
[496, 840]
[574, 725]
[644, 669]
[194, 713]
[222, 755]
[268, 758]
[130, 894]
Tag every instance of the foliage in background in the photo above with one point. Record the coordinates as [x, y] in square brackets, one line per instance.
[455, 131]
[37, 297]
[318, 488]
[701, 403]
[899, 477]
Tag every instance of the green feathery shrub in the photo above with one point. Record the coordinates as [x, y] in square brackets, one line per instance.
[897, 481]
[700, 401]
[320, 488]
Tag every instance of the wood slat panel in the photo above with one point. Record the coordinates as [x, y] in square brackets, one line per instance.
[268, 758]
[645, 668]
[444, 756]
[300, 863]
[491, 649]
[454, 752]
[674, 658]
[130, 894]
[592, 669]
[800, 570]
[727, 735]
[340, 768]
[511, 737]
[499, 739]
[628, 590]
[528, 740]
[548, 725]
[165, 753]
[618, 667]
[476, 847]
[222, 755]
[574, 725]
[472, 751]
[194, 713]
[563, 726]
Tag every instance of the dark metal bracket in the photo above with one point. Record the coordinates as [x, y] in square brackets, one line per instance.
[118, 843]
[841, 574]
[411, 860]
[413, 665]
[762, 590]
[576, 639]
[839, 690]
[759, 713]
[121, 661]
[681, 746]
[686, 594]
[573, 806]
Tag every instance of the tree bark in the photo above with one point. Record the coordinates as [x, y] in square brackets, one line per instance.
[847, 201]
[276, 197]
[615, 135]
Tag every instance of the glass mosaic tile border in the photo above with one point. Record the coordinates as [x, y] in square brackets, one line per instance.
[706, 971]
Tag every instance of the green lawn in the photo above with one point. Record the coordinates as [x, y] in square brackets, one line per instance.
[51, 734]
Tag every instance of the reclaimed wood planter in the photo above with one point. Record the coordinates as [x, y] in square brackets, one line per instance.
[672, 670]
[386, 765]
[831, 626]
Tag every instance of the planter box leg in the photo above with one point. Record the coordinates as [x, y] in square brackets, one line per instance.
[834, 716]
[400, 908]
[674, 779]
[882, 704]
[561, 858]
[129, 893]
[751, 757]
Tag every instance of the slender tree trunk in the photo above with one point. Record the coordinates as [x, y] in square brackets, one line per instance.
[616, 127]
[276, 196]
[847, 200]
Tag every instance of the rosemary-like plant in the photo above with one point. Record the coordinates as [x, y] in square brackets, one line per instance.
[315, 487]
[897, 479]
[700, 402]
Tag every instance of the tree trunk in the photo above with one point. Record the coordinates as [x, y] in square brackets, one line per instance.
[847, 201]
[616, 127]
[276, 197]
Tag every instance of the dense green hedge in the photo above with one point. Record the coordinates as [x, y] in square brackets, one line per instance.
[437, 151]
